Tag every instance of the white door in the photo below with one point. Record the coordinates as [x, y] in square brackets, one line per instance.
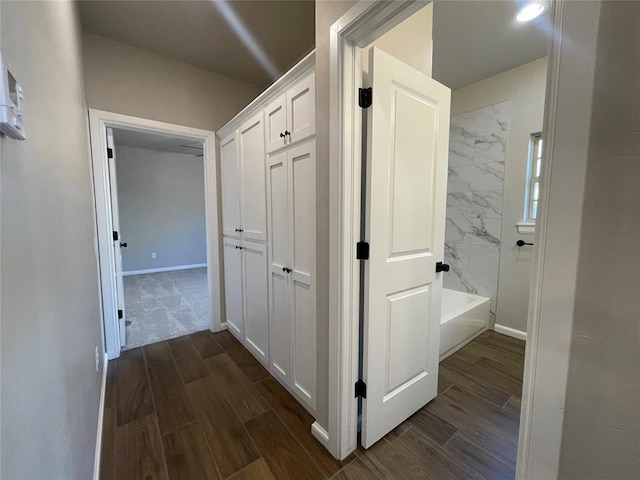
[256, 299]
[279, 261]
[302, 231]
[408, 132]
[301, 109]
[117, 240]
[275, 117]
[233, 286]
[253, 187]
[230, 186]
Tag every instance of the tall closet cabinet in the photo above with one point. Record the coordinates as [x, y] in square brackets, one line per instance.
[268, 171]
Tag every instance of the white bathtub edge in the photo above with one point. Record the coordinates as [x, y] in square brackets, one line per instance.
[510, 332]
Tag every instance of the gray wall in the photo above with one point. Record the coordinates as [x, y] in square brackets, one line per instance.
[49, 298]
[601, 432]
[128, 80]
[161, 202]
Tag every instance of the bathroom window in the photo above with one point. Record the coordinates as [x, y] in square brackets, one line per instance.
[532, 195]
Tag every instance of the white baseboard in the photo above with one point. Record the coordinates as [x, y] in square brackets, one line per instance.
[511, 332]
[320, 434]
[163, 269]
[103, 394]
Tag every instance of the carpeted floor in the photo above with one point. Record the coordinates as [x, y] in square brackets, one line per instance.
[165, 305]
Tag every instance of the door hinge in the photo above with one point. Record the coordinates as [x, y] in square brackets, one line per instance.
[109, 152]
[365, 97]
[362, 251]
[120, 314]
[116, 237]
[361, 389]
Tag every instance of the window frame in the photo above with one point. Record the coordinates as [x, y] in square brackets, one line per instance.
[535, 158]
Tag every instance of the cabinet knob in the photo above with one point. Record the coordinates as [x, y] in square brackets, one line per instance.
[286, 132]
[282, 135]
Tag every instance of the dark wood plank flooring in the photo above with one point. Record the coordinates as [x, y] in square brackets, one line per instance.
[201, 407]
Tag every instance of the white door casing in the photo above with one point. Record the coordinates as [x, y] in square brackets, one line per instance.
[256, 299]
[279, 256]
[233, 286]
[407, 155]
[301, 109]
[253, 179]
[117, 249]
[229, 170]
[302, 220]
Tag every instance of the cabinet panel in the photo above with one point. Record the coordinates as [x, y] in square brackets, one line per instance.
[277, 205]
[280, 324]
[256, 300]
[301, 109]
[302, 165]
[230, 186]
[304, 341]
[276, 123]
[233, 286]
[253, 184]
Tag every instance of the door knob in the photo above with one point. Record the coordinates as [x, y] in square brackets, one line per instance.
[522, 243]
[123, 245]
[442, 267]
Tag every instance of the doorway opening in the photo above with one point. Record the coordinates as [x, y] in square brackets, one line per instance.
[156, 209]
[160, 202]
[480, 241]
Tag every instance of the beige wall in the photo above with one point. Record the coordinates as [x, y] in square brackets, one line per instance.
[128, 80]
[601, 431]
[410, 41]
[327, 12]
[50, 308]
[524, 88]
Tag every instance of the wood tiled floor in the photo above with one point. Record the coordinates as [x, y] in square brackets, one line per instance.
[201, 407]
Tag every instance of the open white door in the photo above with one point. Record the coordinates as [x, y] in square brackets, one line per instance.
[117, 241]
[407, 157]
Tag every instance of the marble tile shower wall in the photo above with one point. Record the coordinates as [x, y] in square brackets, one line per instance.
[477, 154]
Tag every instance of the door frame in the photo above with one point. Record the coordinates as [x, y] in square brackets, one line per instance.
[99, 120]
[555, 264]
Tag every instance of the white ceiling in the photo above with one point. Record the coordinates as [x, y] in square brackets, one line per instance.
[474, 40]
[197, 32]
[156, 141]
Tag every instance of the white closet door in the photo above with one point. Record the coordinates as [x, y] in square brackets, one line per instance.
[230, 186]
[233, 286]
[280, 259]
[301, 109]
[302, 218]
[256, 300]
[407, 153]
[276, 123]
[253, 184]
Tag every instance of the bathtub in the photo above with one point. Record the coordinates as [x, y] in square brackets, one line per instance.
[464, 317]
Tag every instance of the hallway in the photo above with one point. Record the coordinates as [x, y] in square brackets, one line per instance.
[201, 407]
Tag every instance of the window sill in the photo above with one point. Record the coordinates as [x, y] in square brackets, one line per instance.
[526, 227]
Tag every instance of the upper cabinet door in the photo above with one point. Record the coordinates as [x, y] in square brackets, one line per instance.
[276, 123]
[230, 186]
[301, 109]
[253, 185]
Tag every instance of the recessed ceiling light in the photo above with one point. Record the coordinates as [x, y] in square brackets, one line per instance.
[530, 11]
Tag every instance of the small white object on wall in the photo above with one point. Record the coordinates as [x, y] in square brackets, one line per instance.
[11, 97]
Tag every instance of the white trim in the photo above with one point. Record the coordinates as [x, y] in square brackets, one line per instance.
[98, 122]
[163, 269]
[526, 228]
[558, 228]
[320, 434]
[296, 72]
[510, 332]
[361, 25]
[103, 395]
